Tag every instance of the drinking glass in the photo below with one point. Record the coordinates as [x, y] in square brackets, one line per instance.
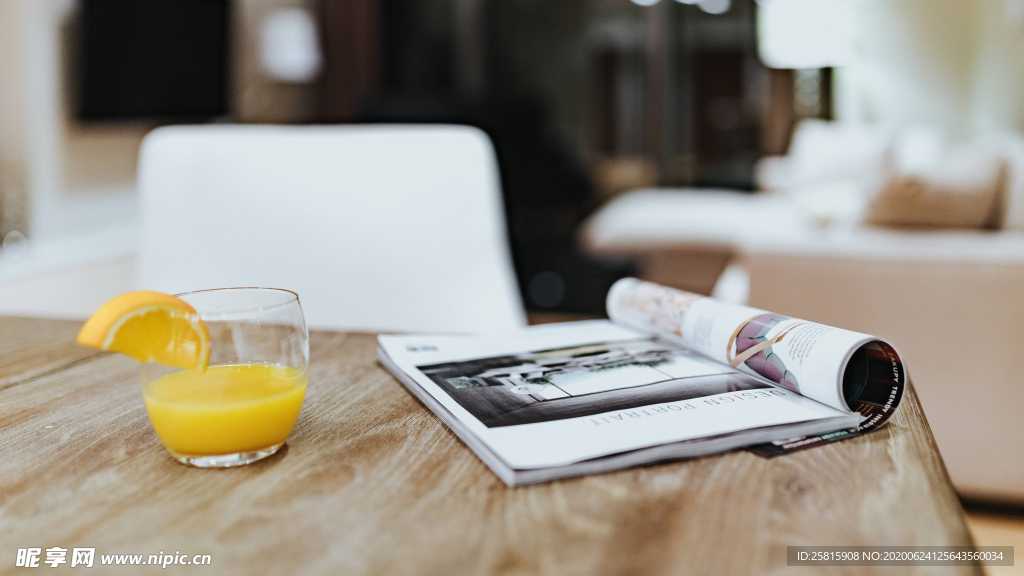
[242, 408]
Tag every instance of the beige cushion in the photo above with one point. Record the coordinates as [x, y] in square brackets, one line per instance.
[931, 181]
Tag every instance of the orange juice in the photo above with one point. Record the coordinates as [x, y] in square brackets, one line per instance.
[228, 409]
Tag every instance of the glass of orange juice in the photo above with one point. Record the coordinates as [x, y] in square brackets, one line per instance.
[243, 406]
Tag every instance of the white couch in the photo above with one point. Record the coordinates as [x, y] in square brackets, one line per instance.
[951, 300]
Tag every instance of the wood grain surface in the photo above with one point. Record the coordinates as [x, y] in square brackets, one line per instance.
[31, 346]
[371, 482]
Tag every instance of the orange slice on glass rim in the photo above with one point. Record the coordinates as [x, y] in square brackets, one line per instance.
[150, 327]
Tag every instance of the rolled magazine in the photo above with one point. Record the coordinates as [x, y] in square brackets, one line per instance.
[846, 370]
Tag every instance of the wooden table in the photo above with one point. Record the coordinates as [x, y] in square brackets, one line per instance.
[372, 483]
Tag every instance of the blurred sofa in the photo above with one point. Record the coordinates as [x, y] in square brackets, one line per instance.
[910, 234]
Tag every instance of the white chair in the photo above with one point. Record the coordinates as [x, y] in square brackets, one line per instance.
[378, 228]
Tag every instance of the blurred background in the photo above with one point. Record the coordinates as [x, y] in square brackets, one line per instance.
[583, 100]
[854, 162]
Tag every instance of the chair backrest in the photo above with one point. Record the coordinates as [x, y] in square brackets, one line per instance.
[378, 228]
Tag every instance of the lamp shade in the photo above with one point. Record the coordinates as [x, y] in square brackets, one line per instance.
[805, 33]
[290, 46]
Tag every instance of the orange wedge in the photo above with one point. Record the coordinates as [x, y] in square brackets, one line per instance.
[150, 327]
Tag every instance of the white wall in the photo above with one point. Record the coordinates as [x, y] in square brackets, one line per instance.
[13, 131]
[998, 97]
[79, 178]
[953, 63]
[76, 179]
[12, 126]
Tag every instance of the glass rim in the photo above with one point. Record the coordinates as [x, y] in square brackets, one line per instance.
[292, 299]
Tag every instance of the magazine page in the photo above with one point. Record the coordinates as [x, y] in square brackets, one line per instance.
[559, 394]
[847, 370]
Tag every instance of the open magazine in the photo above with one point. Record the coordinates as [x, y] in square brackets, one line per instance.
[670, 375]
